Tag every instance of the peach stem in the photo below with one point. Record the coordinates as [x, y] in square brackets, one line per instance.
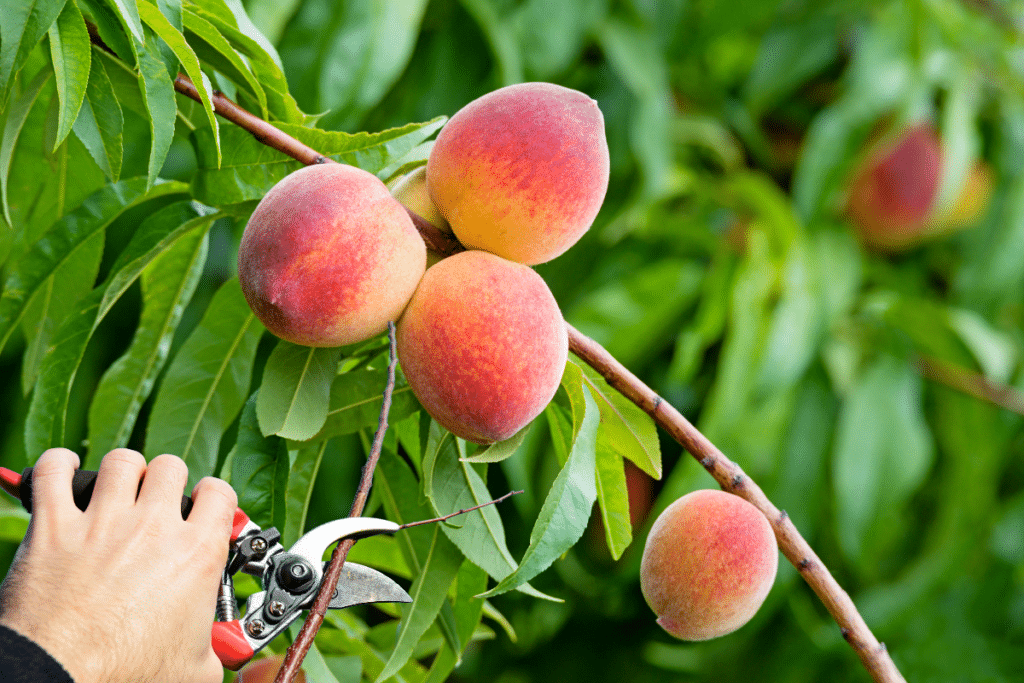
[728, 474]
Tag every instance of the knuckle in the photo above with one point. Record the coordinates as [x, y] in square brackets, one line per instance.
[54, 461]
[124, 456]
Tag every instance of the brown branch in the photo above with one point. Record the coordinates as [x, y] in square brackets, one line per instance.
[972, 384]
[728, 474]
[460, 512]
[304, 641]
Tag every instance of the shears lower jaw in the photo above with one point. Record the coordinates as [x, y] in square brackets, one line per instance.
[291, 581]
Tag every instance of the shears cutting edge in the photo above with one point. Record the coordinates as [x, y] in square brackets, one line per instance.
[290, 579]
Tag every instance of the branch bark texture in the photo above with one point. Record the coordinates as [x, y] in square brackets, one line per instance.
[728, 474]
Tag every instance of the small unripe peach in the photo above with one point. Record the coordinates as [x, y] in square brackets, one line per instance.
[329, 257]
[708, 564]
[521, 172]
[265, 671]
[411, 191]
[893, 192]
[483, 345]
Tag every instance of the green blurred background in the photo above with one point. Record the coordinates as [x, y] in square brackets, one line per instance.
[724, 272]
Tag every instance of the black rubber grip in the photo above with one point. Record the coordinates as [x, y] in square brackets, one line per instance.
[82, 484]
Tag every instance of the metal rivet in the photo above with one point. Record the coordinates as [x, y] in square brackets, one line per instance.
[276, 608]
[256, 628]
[258, 545]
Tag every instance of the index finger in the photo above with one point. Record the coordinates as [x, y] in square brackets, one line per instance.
[52, 495]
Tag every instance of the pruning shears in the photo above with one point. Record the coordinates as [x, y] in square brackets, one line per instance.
[290, 579]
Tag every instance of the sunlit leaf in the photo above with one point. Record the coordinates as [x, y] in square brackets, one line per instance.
[71, 55]
[22, 25]
[100, 123]
[295, 391]
[13, 121]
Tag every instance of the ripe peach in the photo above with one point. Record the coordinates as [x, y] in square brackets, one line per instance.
[483, 345]
[329, 257]
[264, 671]
[708, 564]
[522, 171]
[892, 194]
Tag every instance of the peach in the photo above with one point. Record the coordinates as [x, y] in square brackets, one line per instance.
[522, 171]
[411, 191]
[892, 194]
[265, 671]
[708, 564]
[483, 345]
[329, 257]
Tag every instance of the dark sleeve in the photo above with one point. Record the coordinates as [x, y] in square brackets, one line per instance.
[22, 661]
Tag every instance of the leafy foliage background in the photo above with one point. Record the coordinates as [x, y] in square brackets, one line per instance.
[721, 270]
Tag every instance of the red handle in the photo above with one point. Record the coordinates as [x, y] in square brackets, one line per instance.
[229, 642]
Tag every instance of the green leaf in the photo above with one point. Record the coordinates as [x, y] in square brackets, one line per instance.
[112, 28]
[16, 114]
[563, 517]
[129, 12]
[22, 25]
[206, 384]
[295, 390]
[497, 452]
[502, 38]
[250, 168]
[60, 244]
[158, 96]
[303, 463]
[382, 552]
[167, 287]
[883, 449]
[356, 399]
[625, 428]
[71, 54]
[44, 426]
[100, 123]
[173, 38]
[55, 300]
[428, 592]
[223, 57]
[13, 524]
[613, 500]
[452, 485]
[256, 466]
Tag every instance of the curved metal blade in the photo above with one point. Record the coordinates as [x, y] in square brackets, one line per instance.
[361, 585]
[313, 544]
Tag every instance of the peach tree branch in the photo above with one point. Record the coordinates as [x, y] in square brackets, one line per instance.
[728, 474]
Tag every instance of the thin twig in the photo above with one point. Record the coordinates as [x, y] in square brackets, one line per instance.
[972, 384]
[304, 641]
[728, 474]
[460, 512]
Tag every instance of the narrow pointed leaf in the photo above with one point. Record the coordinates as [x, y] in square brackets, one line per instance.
[22, 25]
[100, 123]
[13, 122]
[303, 464]
[176, 41]
[58, 246]
[428, 592]
[255, 469]
[167, 287]
[158, 96]
[129, 13]
[227, 59]
[72, 55]
[356, 398]
[250, 168]
[44, 426]
[456, 485]
[625, 428]
[206, 384]
[55, 300]
[296, 389]
[613, 500]
[564, 515]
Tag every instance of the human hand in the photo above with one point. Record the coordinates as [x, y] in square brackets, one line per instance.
[126, 590]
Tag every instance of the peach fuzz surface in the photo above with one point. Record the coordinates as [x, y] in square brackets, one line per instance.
[521, 171]
[708, 564]
[483, 345]
[329, 257]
